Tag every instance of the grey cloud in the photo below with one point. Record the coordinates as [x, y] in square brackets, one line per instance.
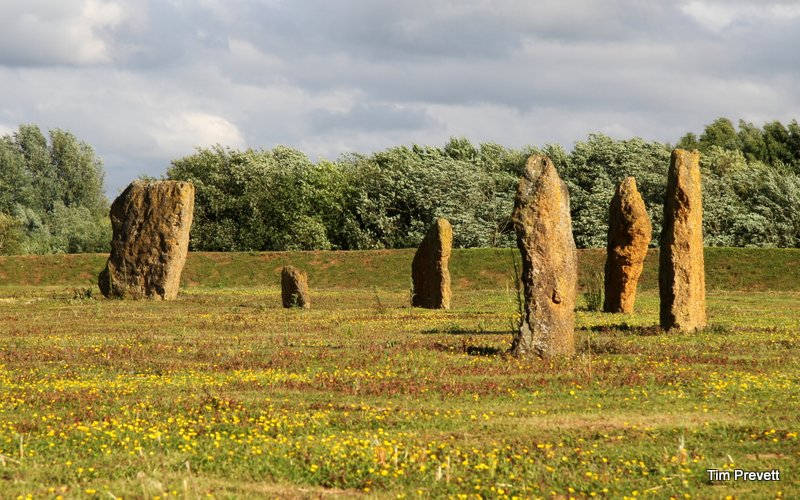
[417, 29]
[373, 117]
[330, 75]
[169, 34]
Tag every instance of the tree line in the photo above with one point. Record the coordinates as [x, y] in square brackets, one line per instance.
[280, 200]
[248, 200]
[51, 194]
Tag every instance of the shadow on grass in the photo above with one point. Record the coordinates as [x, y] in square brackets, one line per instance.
[463, 331]
[652, 330]
[642, 331]
[477, 350]
[471, 350]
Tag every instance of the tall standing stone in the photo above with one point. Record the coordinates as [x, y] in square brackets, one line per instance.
[294, 288]
[430, 274]
[549, 262]
[681, 277]
[629, 234]
[150, 222]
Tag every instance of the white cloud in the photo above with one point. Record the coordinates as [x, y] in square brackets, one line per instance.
[38, 32]
[179, 134]
[717, 16]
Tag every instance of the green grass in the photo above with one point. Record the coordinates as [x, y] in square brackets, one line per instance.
[472, 269]
[224, 393]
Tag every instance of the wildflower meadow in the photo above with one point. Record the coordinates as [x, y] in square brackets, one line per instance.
[225, 394]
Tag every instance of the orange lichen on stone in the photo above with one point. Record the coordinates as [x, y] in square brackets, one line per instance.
[150, 222]
[629, 234]
[682, 283]
[430, 273]
[543, 225]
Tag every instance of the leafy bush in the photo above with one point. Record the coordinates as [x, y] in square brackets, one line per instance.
[278, 199]
[11, 235]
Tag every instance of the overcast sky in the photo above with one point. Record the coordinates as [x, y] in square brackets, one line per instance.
[145, 82]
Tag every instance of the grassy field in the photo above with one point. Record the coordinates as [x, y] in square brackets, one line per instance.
[224, 394]
[744, 269]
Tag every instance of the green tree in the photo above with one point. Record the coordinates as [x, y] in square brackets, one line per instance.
[688, 142]
[77, 229]
[593, 170]
[719, 133]
[794, 144]
[54, 190]
[461, 149]
[44, 179]
[263, 200]
[777, 144]
[79, 173]
[279, 199]
[11, 234]
[748, 203]
[751, 140]
[15, 181]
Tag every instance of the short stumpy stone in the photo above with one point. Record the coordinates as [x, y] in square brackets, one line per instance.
[430, 274]
[681, 278]
[294, 288]
[629, 235]
[150, 222]
[549, 262]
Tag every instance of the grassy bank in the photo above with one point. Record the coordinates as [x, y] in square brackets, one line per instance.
[726, 269]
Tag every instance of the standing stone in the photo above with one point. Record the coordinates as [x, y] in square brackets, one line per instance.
[429, 270]
[294, 288]
[549, 262]
[150, 222]
[681, 277]
[629, 234]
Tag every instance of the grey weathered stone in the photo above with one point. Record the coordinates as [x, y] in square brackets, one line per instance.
[150, 222]
[294, 288]
[549, 262]
[681, 278]
[429, 270]
[629, 235]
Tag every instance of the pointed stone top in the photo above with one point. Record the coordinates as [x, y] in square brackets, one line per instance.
[627, 206]
[537, 166]
[443, 225]
[628, 185]
[539, 175]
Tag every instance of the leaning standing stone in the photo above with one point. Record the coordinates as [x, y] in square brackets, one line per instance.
[681, 278]
[429, 270]
[629, 234]
[150, 222]
[549, 262]
[294, 288]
